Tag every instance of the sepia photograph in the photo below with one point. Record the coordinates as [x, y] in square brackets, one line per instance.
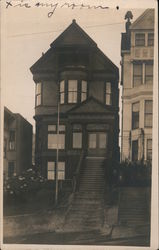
[78, 97]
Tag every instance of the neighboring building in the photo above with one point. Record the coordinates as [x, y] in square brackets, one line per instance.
[75, 73]
[137, 51]
[17, 143]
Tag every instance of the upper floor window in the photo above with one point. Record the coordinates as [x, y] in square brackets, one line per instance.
[148, 113]
[140, 39]
[56, 140]
[108, 93]
[148, 73]
[72, 91]
[62, 92]
[12, 140]
[150, 39]
[137, 74]
[83, 91]
[38, 94]
[135, 115]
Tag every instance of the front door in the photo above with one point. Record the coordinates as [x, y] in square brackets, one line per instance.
[97, 143]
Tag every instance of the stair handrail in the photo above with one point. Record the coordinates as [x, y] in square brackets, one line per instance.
[77, 173]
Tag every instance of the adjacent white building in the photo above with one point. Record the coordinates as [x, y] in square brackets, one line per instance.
[137, 52]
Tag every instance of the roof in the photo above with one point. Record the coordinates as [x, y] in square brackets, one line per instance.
[144, 21]
[72, 36]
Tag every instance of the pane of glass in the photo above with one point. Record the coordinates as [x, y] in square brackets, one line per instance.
[52, 141]
[102, 140]
[51, 165]
[72, 85]
[51, 175]
[151, 39]
[108, 87]
[108, 99]
[77, 140]
[137, 81]
[62, 98]
[92, 140]
[62, 86]
[149, 144]
[61, 166]
[84, 86]
[140, 39]
[38, 100]
[61, 175]
[51, 128]
[61, 128]
[135, 107]
[149, 69]
[148, 106]
[38, 88]
[72, 97]
[61, 141]
[148, 120]
[83, 97]
[137, 69]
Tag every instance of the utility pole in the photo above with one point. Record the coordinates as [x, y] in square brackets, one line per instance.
[57, 150]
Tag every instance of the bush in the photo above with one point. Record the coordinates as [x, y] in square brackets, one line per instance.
[134, 173]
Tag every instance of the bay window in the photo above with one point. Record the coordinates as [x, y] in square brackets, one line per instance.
[38, 94]
[83, 91]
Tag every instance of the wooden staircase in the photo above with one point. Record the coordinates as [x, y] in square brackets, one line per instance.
[133, 206]
[86, 211]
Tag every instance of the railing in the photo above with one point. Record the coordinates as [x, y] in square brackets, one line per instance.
[77, 174]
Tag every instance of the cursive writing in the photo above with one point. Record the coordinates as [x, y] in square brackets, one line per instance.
[51, 5]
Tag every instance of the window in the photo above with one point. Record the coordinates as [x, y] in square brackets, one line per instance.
[62, 92]
[12, 140]
[102, 140]
[77, 136]
[51, 170]
[148, 73]
[72, 91]
[92, 140]
[108, 93]
[148, 113]
[135, 115]
[11, 168]
[55, 140]
[38, 94]
[140, 39]
[149, 149]
[137, 74]
[83, 91]
[135, 150]
[150, 39]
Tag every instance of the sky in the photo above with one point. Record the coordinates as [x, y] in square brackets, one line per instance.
[29, 32]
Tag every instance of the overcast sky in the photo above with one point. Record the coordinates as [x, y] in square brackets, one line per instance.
[29, 32]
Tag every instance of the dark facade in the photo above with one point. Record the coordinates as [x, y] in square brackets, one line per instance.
[75, 73]
[17, 143]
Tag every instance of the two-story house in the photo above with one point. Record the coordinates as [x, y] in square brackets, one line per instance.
[76, 104]
[137, 51]
[17, 143]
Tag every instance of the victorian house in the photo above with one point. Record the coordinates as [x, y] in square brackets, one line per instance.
[137, 52]
[76, 105]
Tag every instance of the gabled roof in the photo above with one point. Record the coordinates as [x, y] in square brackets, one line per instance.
[72, 36]
[144, 21]
[91, 105]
